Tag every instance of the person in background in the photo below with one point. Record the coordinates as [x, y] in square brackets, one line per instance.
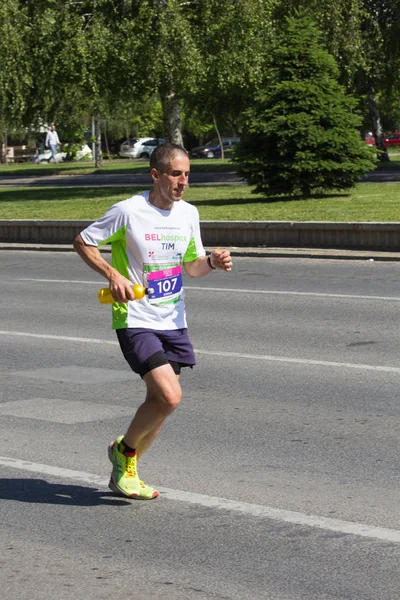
[154, 235]
[52, 141]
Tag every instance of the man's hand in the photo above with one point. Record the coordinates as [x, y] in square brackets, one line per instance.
[121, 287]
[221, 259]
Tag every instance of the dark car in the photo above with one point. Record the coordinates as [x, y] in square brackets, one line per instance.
[213, 149]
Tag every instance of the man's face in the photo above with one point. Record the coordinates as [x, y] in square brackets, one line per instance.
[173, 183]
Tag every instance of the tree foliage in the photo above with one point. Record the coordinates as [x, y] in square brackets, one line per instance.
[364, 38]
[202, 61]
[302, 131]
[15, 75]
[233, 39]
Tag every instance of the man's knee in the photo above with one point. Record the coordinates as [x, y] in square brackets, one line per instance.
[170, 400]
[163, 388]
[167, 400]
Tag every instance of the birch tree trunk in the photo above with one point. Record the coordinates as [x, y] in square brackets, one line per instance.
[171, 115]
[219, 137]
[97, 147]
[377, 125]
[4, 144]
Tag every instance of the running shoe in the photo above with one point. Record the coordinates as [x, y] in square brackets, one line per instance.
[124, 477]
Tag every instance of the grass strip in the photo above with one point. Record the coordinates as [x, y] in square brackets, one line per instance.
[366, 202]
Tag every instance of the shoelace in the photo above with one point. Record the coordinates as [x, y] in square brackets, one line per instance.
[130, 466]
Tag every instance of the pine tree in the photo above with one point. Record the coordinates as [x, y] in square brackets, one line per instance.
[302, 133]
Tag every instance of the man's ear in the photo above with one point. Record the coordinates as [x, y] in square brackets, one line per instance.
[154, 173]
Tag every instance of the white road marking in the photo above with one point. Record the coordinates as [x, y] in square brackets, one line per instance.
[62, 338]
[254, 510]
[287, 293]
[265, 357]
[232, 290]
[99, 283]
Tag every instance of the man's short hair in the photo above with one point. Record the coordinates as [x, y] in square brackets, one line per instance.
[162, 156]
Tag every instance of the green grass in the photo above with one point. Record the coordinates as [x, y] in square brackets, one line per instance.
[366, 202]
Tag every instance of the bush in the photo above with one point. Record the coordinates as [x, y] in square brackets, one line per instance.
[302, 132]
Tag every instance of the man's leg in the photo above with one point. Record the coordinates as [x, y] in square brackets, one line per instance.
[163, 396]
[53, 149]
[149, 439]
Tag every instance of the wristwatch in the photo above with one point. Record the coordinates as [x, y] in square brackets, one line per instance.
[209, 263]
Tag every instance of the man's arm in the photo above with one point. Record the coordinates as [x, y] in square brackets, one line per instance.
[120, 286]
[220, 259]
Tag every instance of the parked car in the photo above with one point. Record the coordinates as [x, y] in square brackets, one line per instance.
[213, 149]
[84, 152]
[139, 147]
[393, 139]
[369, 139]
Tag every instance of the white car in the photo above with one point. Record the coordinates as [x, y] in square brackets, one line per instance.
[139, 147]
[83, 153]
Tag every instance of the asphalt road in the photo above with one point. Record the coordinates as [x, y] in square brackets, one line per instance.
[279, 472]
[111, 179]
[137, 179]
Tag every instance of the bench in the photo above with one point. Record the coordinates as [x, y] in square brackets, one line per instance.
[23, 153]
[17, 154]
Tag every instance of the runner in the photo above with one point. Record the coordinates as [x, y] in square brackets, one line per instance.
[153, 234]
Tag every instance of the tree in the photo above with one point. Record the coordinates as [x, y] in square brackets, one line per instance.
[200, 55]
[233, 39]
[364, 38]
[302, 132]
[92, 57]
[70, 56]
[169, 57]
[15, 74]
[148, 50]
[379, 73]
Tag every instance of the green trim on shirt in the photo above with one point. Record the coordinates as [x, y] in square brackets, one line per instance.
[191, 253]
[121, 263]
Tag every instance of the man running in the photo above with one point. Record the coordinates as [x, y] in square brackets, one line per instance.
[153, 235]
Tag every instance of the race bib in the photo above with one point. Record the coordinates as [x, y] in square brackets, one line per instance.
[165, 285]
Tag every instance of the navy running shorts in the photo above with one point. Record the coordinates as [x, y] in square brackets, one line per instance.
[147, 349]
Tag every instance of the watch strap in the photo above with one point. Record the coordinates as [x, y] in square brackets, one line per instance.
[209, 263]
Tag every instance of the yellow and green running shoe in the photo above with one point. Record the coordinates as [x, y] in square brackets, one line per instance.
[124, 477]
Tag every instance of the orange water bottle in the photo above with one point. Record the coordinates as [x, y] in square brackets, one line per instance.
[105, 296]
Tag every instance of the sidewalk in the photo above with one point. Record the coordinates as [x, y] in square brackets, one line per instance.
[319, 253]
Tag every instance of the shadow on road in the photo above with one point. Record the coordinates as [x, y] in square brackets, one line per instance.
[39, 491]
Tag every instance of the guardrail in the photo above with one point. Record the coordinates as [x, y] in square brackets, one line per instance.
[312, 234]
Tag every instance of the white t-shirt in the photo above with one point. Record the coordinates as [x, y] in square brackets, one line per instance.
[149, 246]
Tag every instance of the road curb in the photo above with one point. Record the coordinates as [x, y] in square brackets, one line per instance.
[320, 253]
